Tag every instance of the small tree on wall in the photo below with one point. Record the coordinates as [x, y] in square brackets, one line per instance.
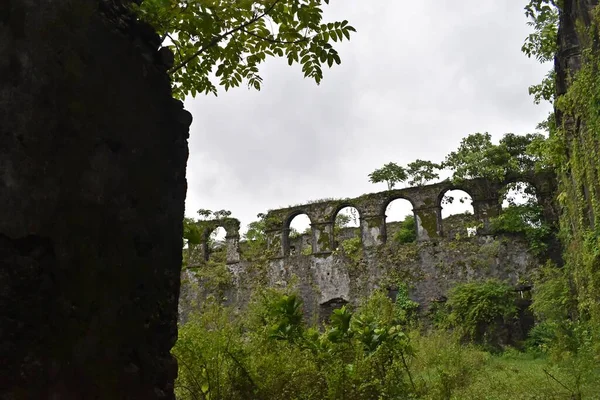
[391, 173]
[421, 172]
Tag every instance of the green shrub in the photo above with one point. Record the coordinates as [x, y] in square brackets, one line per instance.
[407, 233]
[480, 309]
[526, 220]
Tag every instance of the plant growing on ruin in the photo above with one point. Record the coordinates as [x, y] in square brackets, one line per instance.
[391, 173]
[478, 157]
[420, 172]
[407, 233]
[220, 42]
[476, 308]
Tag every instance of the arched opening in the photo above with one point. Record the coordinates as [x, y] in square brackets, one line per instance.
[346, 228]
[327, 308]
[458, 214]
[400, 224]
[520, 210]
[299, 240]
[216, 245]
[518, 194]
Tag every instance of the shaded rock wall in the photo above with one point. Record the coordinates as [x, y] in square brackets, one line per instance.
[93, 152]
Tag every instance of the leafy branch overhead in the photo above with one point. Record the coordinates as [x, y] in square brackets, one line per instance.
[222, 42]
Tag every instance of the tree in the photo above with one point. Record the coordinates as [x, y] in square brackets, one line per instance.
[523, 156]
[542, 43]
[222, 42]
[391, 173]
[420, 172]
[478, 157]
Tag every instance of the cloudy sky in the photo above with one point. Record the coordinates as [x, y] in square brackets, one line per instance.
[415, 78]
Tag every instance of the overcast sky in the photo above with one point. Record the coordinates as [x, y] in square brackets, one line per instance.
[415, 78]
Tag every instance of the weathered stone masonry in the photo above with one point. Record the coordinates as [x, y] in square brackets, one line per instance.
[431, 265]
[93, 150]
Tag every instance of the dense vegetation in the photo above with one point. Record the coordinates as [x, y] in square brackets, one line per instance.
[377, 352]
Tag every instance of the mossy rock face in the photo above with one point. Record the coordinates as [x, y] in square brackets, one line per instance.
[324, 242]
[428, 222]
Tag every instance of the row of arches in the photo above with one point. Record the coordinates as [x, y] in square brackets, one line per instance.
[457, 214]
[395, 218]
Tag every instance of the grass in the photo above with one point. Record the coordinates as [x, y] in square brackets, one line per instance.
[446, 369]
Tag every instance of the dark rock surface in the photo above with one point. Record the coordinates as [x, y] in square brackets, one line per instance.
[93, 150]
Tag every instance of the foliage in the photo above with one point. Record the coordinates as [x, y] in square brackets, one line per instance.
[405, 310]
[575, 157]
[219, 42]
[542, 43]
[391, 173]
[420, 172]
[361, 354]
[478, 157]
[352, 247]
[526, 219]
[270, 354]
[286, 318]
[407, 232]
[255, 239]
[477, 308]
[206, 214]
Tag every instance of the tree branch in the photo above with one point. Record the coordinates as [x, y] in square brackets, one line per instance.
[218, 38]
[277, 41]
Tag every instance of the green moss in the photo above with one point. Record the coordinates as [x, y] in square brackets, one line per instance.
[428, 222]
[324, 242]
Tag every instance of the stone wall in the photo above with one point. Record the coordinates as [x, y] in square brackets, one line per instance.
[93, 150]
[445, 252]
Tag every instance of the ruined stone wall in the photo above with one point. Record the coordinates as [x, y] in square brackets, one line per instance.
[443, 255]
[93, 150]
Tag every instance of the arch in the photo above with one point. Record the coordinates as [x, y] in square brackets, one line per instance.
[297, 234]
[216, 244]
[400, 221]
[290, 217]
[346, 225]
[386, 203]
[327, 308]
[519, 201]
[528, 180]
[457, 213]
[518, 193]
[452, 188]
[340, 207]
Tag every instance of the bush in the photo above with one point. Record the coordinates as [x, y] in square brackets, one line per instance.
[481, 309]
[407, 232]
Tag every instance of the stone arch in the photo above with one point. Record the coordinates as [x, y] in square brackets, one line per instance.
[349, 230]
[389, 199]
[458, 216]
[520, 199]
[326, 308]
[394, 218]
[296, 245]
[508, 193]
[231, 226]
[452, 188]
[216, 244]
